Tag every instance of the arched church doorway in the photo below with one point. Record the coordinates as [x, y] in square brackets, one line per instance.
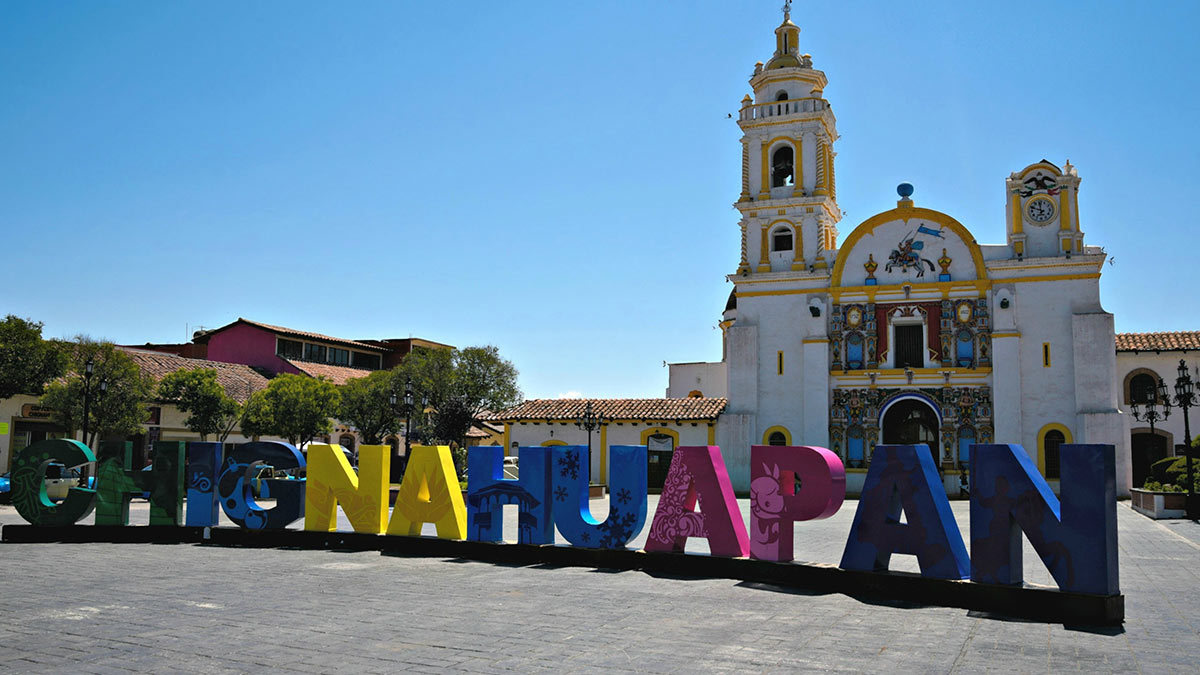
[909, 421]
[1146, 449]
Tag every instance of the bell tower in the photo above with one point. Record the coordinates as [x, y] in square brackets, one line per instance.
[789, 195]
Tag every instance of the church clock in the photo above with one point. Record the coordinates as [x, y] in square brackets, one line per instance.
[1040, 210]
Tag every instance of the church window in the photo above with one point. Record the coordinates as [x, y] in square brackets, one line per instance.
[782, 166]
[1050, 451]
[909, 346]
[966, 436]
[782, 96]
[854, 446]
[1141, 388]
[776, 438]
[1046, 354]
[966, 348]
[854, 351]
[779, 362]
[781, 240]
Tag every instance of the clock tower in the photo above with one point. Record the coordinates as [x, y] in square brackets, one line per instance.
[789, 196]
[1043, 211]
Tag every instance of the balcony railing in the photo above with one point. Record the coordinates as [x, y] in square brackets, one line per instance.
[786, 108]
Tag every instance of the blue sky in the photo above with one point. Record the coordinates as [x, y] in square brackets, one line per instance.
[552, 178]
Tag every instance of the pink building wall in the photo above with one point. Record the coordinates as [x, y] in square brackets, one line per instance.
[250, 345]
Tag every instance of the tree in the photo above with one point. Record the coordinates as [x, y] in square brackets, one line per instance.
[366, 404]
[461, 384]
[197, 392]
[294, 407]
[116, 408]
[27, 362]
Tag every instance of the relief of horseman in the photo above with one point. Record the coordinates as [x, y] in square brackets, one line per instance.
[907, 254]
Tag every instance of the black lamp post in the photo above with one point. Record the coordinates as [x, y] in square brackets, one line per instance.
[590, 421]
[88, 368]
[397, 471]
[1185, 397]
[1152, 414]
[408, 406]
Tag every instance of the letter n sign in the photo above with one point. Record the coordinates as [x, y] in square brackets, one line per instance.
[1076, 539]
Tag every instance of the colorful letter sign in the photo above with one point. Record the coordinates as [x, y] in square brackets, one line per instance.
[236, 485]
[203, 462]
[903, 476]
[118, 481]
[489, 491]
[332, 481]
[698, 472]
[29, 483]
[1076, 539]
[775, 504]
[626, 503]
[430, 493]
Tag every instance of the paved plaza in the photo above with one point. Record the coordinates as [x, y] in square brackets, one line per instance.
[142, 607]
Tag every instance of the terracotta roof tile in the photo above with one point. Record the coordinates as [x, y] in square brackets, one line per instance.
[339, 375]
[1159, 342]
[238, 380]
[613, 408]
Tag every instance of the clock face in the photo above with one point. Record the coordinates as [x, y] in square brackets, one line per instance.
[853, 316]
[1040, 210]
[964, 312]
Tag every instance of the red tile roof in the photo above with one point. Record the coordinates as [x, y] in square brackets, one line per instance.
[1159, 342]
[613, 409]
[280, 330]
[239, 381]
[339, 375]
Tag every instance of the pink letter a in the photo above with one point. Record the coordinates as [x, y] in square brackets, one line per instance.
[698, 472]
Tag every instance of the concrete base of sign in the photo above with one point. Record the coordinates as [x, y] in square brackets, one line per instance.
[1035, 603]
[115, 534]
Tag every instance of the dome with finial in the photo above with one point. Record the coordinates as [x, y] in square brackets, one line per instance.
[787, 42]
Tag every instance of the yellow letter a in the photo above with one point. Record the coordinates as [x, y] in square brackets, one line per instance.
[430, 493]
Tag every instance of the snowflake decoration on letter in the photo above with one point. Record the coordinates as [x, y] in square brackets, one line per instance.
[623, 495]
[568, 465]
[560, 493]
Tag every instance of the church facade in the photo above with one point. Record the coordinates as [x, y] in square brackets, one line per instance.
[910, 331]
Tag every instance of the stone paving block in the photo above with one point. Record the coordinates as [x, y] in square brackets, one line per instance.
[486, 618]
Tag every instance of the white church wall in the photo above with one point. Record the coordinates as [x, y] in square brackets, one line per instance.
[1047, 392]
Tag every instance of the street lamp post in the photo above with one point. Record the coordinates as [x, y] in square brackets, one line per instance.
[1152, 414]
[395, 463]
[87, 395]
[590, 421]
[1185, 397]
[408, 407]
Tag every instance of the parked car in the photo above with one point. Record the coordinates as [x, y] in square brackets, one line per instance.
[59, 481]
